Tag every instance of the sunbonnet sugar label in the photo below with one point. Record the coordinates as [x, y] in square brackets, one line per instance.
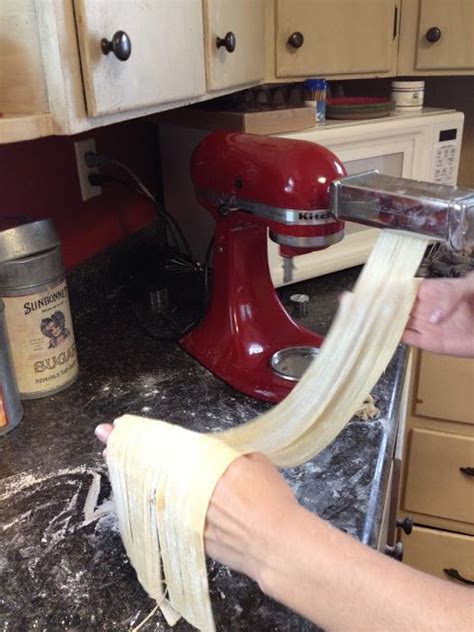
[42, 342]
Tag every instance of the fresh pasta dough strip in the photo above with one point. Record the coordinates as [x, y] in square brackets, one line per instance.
[135, 479]
[163, 476]
[357, 349]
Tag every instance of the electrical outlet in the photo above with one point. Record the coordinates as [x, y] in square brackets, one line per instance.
[81, 147]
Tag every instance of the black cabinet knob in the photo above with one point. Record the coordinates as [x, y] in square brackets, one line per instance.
[406, 525]
[468, 471]
[296, 40]
[395, 551]
[433, 34]
[228, 42]
[120, 46]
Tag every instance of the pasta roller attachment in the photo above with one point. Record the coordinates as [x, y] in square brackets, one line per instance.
[442, 212]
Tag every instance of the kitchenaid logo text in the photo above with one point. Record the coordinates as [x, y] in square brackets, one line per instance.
[31, 306]
[311, 215]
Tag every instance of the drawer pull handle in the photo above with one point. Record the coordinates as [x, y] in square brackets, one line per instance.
[296, 40]
[455, 574]
[120, 46]
[468, 471]
[406, 525]
[395, 551]
[433, 34]
[228, 42]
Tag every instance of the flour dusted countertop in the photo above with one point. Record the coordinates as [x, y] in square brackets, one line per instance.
[62, 565]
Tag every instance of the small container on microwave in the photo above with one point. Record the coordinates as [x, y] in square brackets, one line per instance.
[408, 95]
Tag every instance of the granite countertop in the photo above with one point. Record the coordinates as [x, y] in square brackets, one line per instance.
[62, 565]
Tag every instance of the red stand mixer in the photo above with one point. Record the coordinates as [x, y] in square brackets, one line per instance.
[252, 184]
[300, 193]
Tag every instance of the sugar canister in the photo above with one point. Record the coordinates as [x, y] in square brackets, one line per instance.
[38, 318]
[11, 410]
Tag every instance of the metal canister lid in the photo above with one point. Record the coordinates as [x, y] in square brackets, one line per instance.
[31, 272]
[28, 239]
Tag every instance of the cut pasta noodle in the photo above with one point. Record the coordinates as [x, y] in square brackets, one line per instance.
[163, 476]
[368, 410]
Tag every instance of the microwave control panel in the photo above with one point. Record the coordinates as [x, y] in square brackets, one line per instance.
[446, 155]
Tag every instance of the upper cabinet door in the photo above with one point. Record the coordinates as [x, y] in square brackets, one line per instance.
[166, 62]
[235, 42]
[335, 37]
[436, 37]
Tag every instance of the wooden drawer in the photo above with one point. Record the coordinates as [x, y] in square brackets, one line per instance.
[446, 388]
[245, 64]
[340, 38]
[453, 51]
[167, 59]
[435, 485]
[432, 551]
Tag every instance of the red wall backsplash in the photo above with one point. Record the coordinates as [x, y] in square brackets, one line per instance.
[39, 179]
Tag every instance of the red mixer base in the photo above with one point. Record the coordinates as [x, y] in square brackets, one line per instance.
[250, 373]
[245, 323]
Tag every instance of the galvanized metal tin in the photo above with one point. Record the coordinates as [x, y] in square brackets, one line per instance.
[28, 239]
[30, 272]
[37, 313]
[11, 411]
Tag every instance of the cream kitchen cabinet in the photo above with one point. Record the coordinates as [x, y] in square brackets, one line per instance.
[438, 473]
[332, 38]
[368, 38]
[440, 553]
[436, 37]
[445, 388]
[158, 58]
[24, 103]
[234, 42]
[67, 66]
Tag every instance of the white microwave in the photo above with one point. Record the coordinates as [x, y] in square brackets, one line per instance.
[423, 146]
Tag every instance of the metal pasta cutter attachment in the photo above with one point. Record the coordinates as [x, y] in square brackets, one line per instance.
[441, 212]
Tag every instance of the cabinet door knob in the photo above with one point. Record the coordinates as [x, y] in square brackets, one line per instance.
[296, 40]
[468, 471]
[433, 34]
[395, 551]
[120, 46]
[228, 42]
[455, 574]
[406, 525]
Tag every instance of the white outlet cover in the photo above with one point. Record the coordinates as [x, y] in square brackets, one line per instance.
[81, 147]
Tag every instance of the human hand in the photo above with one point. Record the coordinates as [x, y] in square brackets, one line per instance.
[247, 513]
[442, 319]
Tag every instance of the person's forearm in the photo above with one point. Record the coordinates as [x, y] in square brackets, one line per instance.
[340, 584]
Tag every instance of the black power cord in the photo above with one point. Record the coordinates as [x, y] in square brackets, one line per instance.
[94, 160]
[185, 260]
[177, 263]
